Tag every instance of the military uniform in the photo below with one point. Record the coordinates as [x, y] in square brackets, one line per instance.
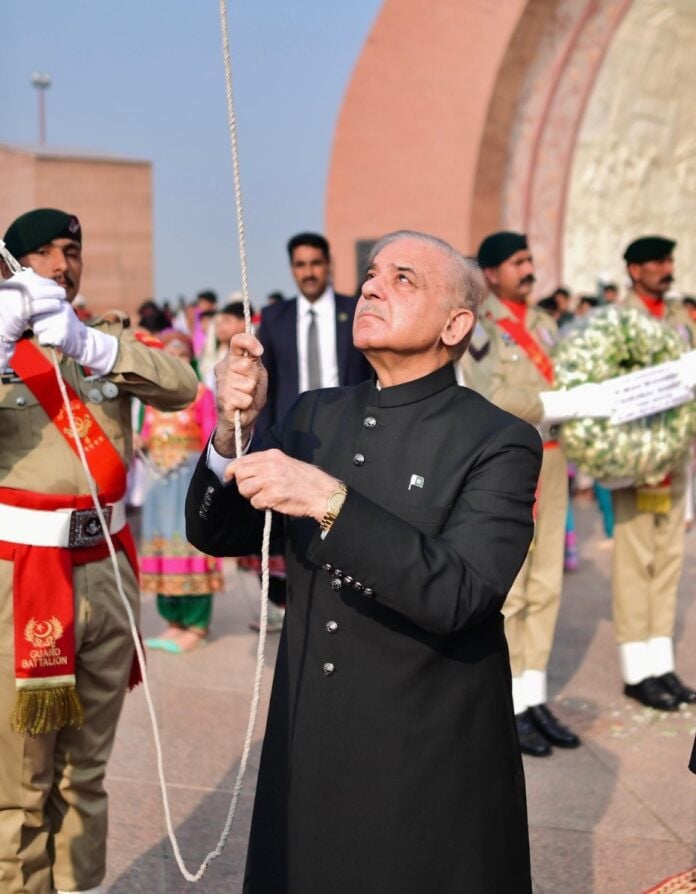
[497, 367]
[648, 552]
[53, 821]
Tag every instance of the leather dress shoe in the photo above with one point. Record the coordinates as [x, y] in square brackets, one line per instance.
[551, 728]
[530, 740]
[652, 694]
[672, 684]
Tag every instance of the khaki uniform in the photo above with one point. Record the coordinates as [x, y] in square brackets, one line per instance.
[649, 546]
[52, 797]
[502, 371]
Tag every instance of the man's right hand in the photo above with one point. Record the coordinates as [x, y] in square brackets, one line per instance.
[241, 384]
[23, 296]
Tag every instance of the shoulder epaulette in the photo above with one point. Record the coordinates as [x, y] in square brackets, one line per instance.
[480, 343]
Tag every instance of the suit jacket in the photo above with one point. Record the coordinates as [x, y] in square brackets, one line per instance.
[391, 761]
[278, 335]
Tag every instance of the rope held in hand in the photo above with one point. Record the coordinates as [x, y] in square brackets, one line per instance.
[260, 656]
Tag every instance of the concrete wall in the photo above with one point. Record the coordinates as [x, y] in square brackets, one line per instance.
[113, 199]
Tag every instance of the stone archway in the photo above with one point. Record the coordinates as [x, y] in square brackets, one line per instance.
[462, 117]
[548, 75]
[634, 167]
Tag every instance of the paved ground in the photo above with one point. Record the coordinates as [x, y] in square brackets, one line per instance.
[613, 817]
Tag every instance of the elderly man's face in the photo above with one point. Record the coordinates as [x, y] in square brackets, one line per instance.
[653, 277]
[60, 260]
[514, 278]
[403, 306]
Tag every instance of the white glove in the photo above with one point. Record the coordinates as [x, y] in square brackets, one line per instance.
[6, 352]
[686, 366]
[23, 296]
[90, 347]
[589, 401]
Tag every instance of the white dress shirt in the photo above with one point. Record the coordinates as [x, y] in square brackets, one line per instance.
[325, 309]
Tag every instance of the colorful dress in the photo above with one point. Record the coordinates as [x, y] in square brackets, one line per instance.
[182, 576]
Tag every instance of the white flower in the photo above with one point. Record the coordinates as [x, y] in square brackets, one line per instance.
[612, 342]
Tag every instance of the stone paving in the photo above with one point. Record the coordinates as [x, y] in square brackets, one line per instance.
[613, 817]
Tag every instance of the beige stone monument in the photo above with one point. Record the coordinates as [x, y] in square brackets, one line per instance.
[566, 119]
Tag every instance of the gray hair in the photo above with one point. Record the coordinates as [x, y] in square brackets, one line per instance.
[467, 286]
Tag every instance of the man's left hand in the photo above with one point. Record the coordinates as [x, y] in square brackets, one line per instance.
[90, 347]
[271, 480]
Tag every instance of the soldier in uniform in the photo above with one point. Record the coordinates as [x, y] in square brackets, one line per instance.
[66, 651]
[508, 363]
[649, 532]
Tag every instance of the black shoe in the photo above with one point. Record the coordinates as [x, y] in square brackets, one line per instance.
[530, 740]
[671, 683]
[650, 693]
[551, 728]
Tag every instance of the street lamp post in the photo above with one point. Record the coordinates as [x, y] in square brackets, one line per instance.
[42, 82]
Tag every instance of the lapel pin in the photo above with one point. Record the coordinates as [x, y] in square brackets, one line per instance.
[416, 481]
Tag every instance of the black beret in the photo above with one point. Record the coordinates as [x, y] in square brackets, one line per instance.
[648, 248]
[498, 247]
[39, 227]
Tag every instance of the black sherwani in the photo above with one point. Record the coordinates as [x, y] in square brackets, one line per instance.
[390, 763]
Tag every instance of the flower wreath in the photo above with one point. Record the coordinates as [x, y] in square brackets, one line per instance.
[611, 342]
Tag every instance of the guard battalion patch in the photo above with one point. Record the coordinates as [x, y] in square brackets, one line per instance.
[43, 634]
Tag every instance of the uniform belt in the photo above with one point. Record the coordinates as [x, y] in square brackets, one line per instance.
[66, 528]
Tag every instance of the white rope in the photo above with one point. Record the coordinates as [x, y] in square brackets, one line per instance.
[265, 546]
[260, 653]
[198, 875]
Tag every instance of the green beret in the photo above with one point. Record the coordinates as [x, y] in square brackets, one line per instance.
[39, 227]
[648, 248]
[498, 247]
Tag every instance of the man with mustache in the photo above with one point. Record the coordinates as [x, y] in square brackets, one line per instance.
[307, 344]
[508, 362]
[649, 530]
[307, 340]
[66, 649]
[390, 762]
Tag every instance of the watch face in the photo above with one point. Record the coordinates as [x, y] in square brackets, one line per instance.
[336, 501]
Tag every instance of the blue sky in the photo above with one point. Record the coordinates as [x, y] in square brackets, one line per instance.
[145, 79]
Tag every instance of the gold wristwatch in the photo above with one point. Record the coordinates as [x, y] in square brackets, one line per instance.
[333, 507]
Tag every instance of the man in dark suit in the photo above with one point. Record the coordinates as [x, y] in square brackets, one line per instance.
[390, 761]
[308, 340]
[308, 344]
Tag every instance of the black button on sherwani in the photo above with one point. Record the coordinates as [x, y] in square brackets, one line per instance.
[390, 763]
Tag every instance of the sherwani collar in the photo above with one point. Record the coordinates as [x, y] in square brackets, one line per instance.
[416, 390]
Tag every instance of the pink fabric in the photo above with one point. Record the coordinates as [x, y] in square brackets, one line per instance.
[205, 411]
[146, 430]
[176, 565]
[198, 334]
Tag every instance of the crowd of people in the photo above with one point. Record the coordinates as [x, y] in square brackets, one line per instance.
[421, 530]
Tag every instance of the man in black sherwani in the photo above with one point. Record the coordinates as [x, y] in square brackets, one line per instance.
[390, 763]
